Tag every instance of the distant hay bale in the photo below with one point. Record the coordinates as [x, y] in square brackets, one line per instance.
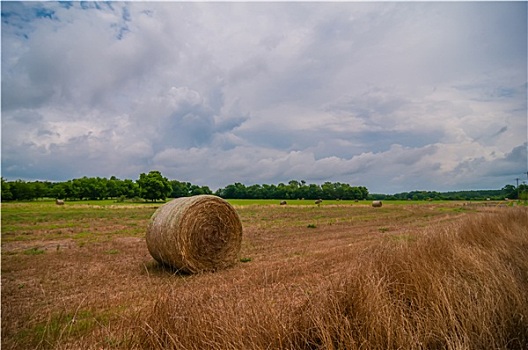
[377, 204]
[283, 203]
[319, 201]
[195, 234]
[59, 202]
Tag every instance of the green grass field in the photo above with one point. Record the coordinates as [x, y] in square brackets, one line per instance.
[44, 203]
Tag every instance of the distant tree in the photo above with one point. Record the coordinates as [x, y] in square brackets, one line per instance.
[328, 190]
[41, 189]
[268, 191]
[113, 187]
[523, 192]
[6, 191]
[235, 191]
[254, 192]
[58, 190]
[314, 192]
[364, 192]
[179, 189]
[101, 187]
[186, 189]
[197, 190]
[282, 191]
[129, 189]
[22, 190]
[154, 186]
[294, 187]
[510, 191]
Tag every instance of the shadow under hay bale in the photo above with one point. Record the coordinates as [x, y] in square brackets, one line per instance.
[155, 268]
[195, 234]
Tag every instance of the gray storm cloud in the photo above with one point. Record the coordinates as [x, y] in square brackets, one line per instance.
[392, 96]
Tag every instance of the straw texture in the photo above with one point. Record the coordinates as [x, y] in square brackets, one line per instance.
[195, 234]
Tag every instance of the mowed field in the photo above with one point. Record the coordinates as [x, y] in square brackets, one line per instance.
[342, 275]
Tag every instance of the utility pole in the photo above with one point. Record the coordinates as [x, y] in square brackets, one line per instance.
[517, 179]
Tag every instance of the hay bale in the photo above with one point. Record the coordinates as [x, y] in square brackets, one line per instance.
[195, 234]
[59, 201]
[283, 202]
[377, 204]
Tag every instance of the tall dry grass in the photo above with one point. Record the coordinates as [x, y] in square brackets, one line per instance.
[461, 286]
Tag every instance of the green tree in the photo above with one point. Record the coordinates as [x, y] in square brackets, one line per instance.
[40, 189]
[254, 191]
[113, 187]
[197, 190]
[22, 190]
[179, 189]
[282, 191]
[268, 191]
[101, 187]
[314, 192]
[186, 189]
[328, 190]
[364, 192]
[59, 190]
[6, 191]
[523, 192]
[509, 191]
[154, 186]
[129, 188]
[234, 191]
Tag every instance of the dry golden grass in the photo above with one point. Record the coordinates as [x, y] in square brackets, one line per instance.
[460, 287]
[341, 277]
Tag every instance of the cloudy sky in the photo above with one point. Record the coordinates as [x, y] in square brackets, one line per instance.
[392, 96]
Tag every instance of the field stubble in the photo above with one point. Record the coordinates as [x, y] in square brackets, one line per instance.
[329, 277]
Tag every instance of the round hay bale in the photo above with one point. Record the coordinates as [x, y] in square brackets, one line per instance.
[377, 204]
[195, 234]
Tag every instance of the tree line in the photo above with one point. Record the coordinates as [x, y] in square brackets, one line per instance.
[294, 190]
[508, 191]
[154, 186]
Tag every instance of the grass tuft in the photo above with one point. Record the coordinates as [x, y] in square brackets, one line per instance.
[34, 251]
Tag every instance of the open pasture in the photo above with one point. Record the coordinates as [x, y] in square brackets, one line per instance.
[419, 275]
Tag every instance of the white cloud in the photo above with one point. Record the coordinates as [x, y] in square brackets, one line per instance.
[393, 96]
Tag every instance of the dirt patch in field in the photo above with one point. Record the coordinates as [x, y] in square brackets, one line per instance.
[46, 245]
